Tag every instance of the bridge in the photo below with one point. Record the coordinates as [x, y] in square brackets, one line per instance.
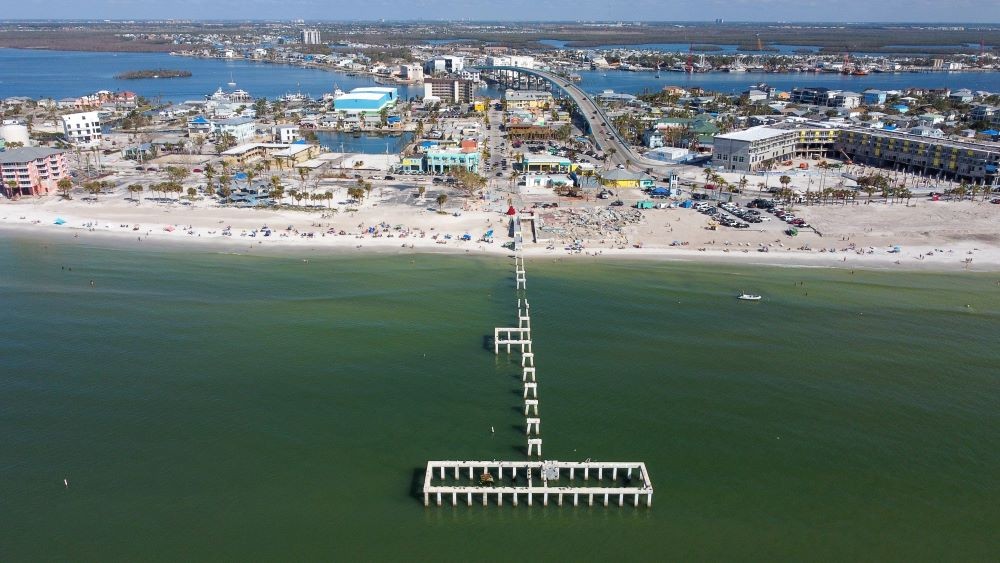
[604, 132]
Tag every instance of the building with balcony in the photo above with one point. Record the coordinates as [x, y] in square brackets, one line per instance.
[32, 170]
[449, 90]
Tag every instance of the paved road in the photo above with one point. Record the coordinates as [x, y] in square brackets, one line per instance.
[603, 131]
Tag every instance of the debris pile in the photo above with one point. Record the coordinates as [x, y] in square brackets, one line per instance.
[606, 225]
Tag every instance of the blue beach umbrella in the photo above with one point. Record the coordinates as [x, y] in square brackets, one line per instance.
[59, 221]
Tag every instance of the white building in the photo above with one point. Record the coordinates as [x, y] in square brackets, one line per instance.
[445, 64]
[286, 134]
[310, 37]
[83, 128]
[414, 73]
[511, 60]
[243, 129]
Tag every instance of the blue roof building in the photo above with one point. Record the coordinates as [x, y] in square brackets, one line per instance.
[366, 100]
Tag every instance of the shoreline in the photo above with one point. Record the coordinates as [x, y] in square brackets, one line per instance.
[105, 233]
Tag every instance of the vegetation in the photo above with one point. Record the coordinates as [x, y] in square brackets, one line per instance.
[156, 73]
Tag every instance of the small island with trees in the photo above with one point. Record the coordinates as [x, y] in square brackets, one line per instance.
[155, 73]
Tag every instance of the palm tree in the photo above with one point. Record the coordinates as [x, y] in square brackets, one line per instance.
[11, 186]
[209, 174]
[328, 196]
[191, 192]
[65, 186]
[441, 198]
[277, 190]
[135, 189]
[303, 174]
[250, 174]
[420, 191]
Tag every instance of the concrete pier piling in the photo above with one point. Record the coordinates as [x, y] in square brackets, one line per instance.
[533, 423]
[532, 405]
[528, 374]
[535, 444]
[540, 477]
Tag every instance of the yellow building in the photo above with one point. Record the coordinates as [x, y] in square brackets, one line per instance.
[526, 99]
[291, 154]
[624, 179]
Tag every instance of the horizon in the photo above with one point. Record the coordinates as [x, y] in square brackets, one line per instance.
[309, 21]
[555, 11]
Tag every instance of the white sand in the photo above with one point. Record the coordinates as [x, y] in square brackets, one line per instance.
[932, 235]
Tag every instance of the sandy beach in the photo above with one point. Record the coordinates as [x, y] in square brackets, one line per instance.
[949, 236]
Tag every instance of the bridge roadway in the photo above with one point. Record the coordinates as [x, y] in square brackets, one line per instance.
[604, 133]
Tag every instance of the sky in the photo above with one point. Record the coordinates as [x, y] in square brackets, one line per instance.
[978, 11]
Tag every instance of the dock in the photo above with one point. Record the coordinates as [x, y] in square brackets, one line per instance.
[537, 479]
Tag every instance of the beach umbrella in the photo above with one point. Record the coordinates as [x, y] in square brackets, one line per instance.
[511, 211]
[59, 221]
[169, 228]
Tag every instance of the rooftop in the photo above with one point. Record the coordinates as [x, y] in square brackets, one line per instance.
[26, 154]
[753, 134]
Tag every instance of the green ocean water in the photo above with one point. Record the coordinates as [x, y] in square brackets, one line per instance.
[206, 406]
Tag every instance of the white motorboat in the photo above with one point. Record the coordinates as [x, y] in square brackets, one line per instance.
[748, 297]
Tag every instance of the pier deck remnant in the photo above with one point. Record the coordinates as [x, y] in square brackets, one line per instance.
[619, 481]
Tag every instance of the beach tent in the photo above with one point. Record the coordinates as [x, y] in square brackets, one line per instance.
[59, 221]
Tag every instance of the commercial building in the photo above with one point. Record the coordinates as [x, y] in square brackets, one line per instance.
[444, 64]
[511, 60]
[441, 160]
[624, 179]
[448, 90]
[311, 37]
[944, 158]
[757, 148]
[754, 148]
[35, 170]
[820, 96]
[545, 163]
[371, 100]
[83, 128]
[526, 99]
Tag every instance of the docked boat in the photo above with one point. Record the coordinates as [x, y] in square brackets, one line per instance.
[748, 297]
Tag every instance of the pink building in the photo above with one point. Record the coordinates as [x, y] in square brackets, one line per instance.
[32, 170]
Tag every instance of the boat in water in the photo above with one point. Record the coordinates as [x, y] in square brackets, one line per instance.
[748, 297]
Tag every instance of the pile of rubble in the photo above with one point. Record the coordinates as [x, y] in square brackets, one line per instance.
[600, 225]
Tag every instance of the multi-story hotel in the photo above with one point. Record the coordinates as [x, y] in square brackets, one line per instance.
[32, 170]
